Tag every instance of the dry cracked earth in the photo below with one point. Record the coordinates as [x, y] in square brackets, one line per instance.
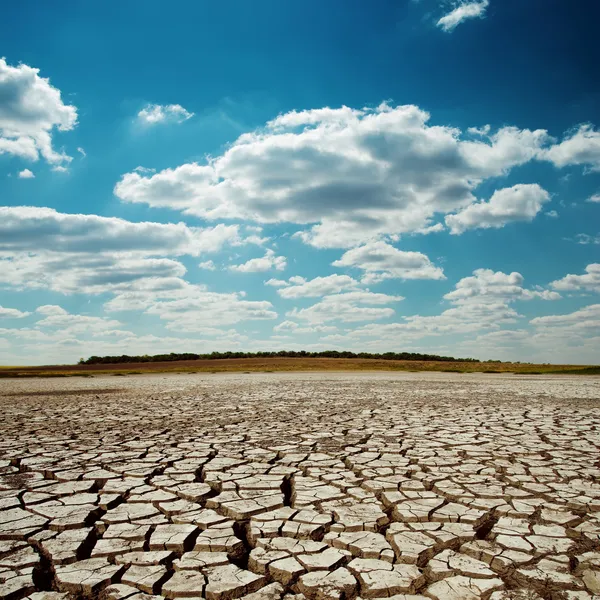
[294, 486]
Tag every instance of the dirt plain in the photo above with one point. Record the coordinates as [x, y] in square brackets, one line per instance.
[305, 364]
[322, 486]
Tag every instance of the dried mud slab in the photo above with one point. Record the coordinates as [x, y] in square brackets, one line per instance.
[301, 487]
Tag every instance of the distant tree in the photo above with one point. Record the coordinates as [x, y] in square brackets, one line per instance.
[173, 356]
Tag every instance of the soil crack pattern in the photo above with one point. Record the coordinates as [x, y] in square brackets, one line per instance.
[300, 487]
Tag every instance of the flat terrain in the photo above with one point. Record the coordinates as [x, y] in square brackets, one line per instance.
[325, 485]
[277, 364]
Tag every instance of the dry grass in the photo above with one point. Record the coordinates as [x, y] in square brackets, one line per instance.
[292, 364]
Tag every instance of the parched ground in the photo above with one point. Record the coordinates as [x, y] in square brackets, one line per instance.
[318, 486]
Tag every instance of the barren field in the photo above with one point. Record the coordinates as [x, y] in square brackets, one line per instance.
[301, 485]
[277, 364]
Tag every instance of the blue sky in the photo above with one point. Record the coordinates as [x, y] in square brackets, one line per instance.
[194, 176]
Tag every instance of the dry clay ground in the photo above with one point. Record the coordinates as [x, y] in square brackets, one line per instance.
[293, 486]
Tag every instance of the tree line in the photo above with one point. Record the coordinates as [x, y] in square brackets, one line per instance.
[110, 360]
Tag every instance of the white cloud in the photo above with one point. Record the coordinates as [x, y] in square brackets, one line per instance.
[276, 282]
[26, 174]
[298, 287]
[380, 260]
[59, 332]
[163, 113]
[30, 111]
[584, 318]
[584, 239]
[83, 273]
[70, 253]
[254, 237]
[589, 281]
[12, 313]
[207, 265]
[188, 307]
[352, 175]
[257, 240]
[594, 198]
[463, 319]
[464, 11]
[144, 170]
[51, 346]
[296, 328]
[486, 285]
[207, 331]
[348, 307]
[28, 228]
[581, 147]
[519, 203]
[571, 337]
[558, 343]
[552, 214]
[270, 261]
[481, 303]
[480, 131]
[75, 325]
[59, 336]
[286, 326]
[213, 239]
[51, 310]
[82, 152]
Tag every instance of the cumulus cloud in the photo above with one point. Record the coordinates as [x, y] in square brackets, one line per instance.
[463, 12]
[153, 114]
[295, 328]
[348, 307]
[594, 198]
[270, 261]
[31, 110]
[74, 325]
[60, 336]
[585, 318]
[481, 303]
[44, 346]
[570, 337]
[519, 203]
[380, 260]
[567, 337]
[276, 282]
[486, 285]
[26, 174]
[589, 281]
[352, 175]
[51, 310]
[28, 228]
[12, 313]
[559, 343]
[83, 273]
[298, 287]
[581, 147]
[207, 265]
[462, 319]
[188, 306]
[69, 253]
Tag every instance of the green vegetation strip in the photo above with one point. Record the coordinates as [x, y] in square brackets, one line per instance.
[108, 360]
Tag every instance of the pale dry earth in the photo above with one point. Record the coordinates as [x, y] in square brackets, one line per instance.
[293, 486]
